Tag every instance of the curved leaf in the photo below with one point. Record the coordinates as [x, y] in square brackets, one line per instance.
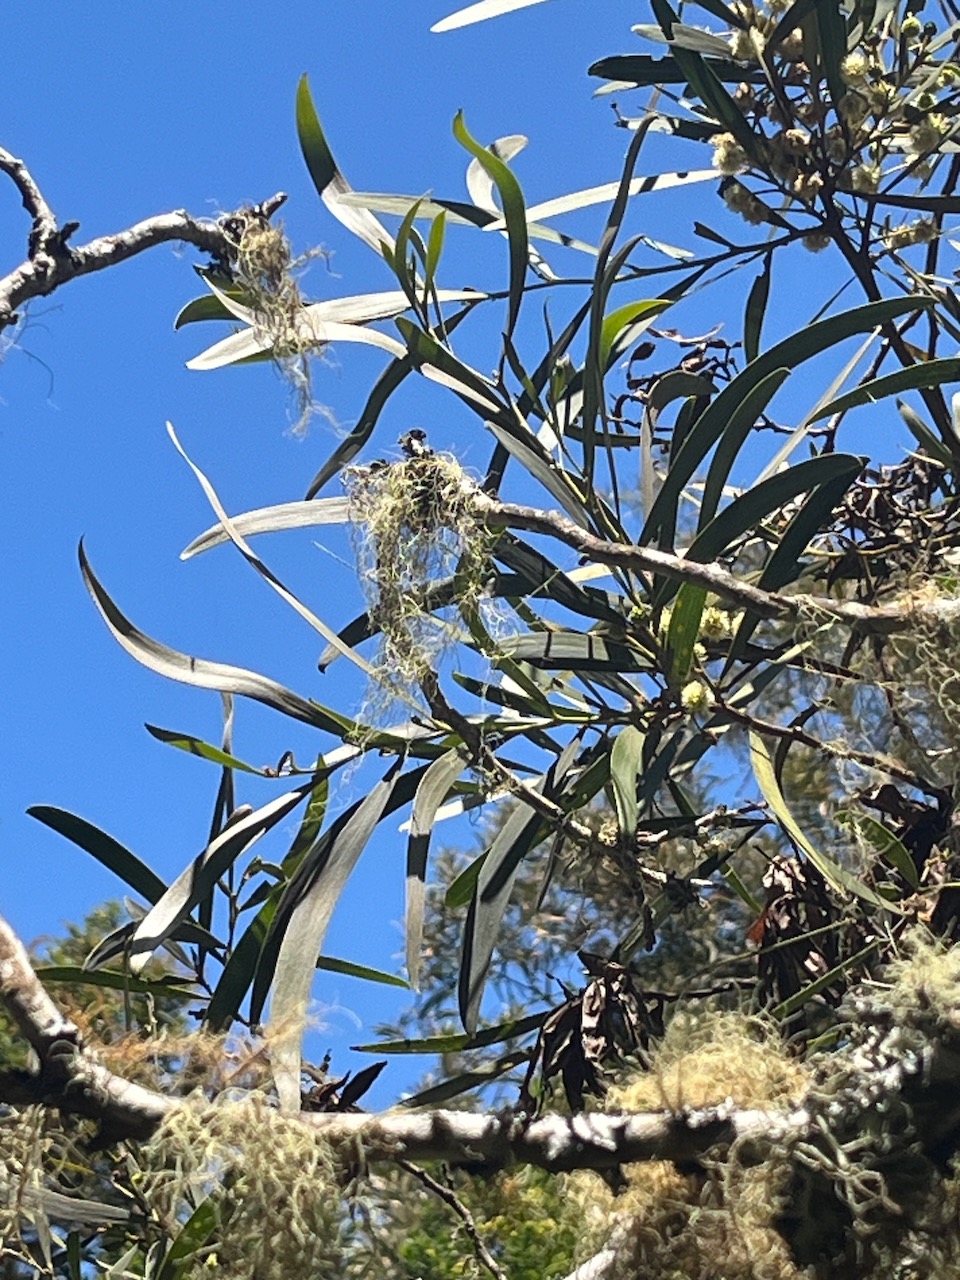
[303, 514]
[511, 198]
[330, 183]
[787, 354]
[480, 12]
[315, 890]
[842, 880]
[199, 672]
[350, 970]
[113, 855]
[927, 373]
[431, 793]
[198, 879]
[197, 747]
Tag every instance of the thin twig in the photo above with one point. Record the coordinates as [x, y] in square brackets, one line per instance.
[453, 1201]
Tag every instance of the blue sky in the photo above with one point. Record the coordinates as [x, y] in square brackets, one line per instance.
[124, 111]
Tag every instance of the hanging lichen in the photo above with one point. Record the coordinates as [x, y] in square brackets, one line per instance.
[271, 1189]
[424, 558]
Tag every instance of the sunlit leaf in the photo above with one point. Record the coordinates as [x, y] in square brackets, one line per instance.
[350, 970]
[431, 793]
[479, 12]
[889, 846]
[511, 198]
[285, 515]
[314, 893]
[199, 877]
[842, 880]
[327, 178]
[928, 373]
[625, 760]
[197, 747]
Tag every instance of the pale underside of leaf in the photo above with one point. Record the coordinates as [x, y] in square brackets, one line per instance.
[608, 191]
[480, 12]
[285, 515]
[303, 941]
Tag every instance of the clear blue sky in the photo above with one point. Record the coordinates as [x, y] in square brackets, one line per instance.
[123, 111]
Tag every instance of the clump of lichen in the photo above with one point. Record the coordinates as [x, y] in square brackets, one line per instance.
[925, 666]
[424, 559]
[264, 272]
[718, 1222]
[274, 1188]
[34, 1151]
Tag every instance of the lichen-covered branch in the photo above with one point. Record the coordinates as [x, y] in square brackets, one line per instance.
[51, 261]
[70, 1079]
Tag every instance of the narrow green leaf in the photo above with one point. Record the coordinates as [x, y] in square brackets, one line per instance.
[735, 434]
[511, 199]
[314, 892]
[624, 318]
[575, 651]
[436, 1094]
[890, 847]
[756, 309]
[197, 747]
[706, 83]
[929, 373]
[206, 307]
[523, 445]
[362, 971]
[330, 183]
[240, 969]
[788, 354]
[435, 240]
[107, 851]
[431, 793]
[642, 70]
[832, 33]
[684, 629]
[118, 979]
[747, 512]
[429, 355]
[192, 1236]
[350, 446]
[462, 890]
[285, 515]
[459, 1042]
[521, 831]
[842, 880]
[199, 877]
[625, 760]
[203, 674]
[825, 980]
[928, 442]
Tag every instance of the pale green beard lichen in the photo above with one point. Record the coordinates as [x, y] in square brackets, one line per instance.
[666, 1224]
[272, 1183]
[33, 1148]
[416, 530]
[264, 271]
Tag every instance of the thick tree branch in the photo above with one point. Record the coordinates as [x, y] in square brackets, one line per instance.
[72, 1080]
[874, 619]
[52, 262]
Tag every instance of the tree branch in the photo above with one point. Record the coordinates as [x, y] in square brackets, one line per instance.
[873, 619]
[51, 262]
[72, 1080]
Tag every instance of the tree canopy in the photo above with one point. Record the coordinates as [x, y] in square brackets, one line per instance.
[687, 642]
